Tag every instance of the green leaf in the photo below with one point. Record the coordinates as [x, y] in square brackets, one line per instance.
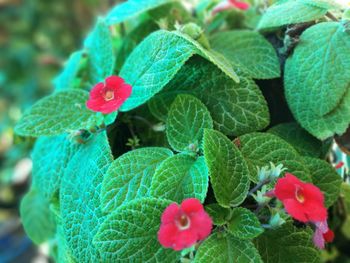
[36, 218]
[100, 51]
[80, 209]
[316, 86]
[152, 64]
[187, 119]
[236, 108]
[292, 12]
[180, 177]
[63, 251]
[218, 214]
[218, 249]
[51, 156]
[132, 8]
[61, 112]
[131, 40]
[65, 80]
[325, 177]
[259, 149]
[229, 174]
[213, 56]
[130, 176]
[300, 139]
[287, 244]
[248, 51]
[129, 233]
[244, 224]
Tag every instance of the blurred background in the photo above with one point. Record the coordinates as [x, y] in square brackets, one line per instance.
[36, 37]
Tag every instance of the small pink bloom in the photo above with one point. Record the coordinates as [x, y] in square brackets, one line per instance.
[322, 235]
[182, 226]
[109, 96]
[229, 4]
[303, 201]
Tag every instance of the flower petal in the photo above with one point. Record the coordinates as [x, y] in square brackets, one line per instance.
[167, 234]
[286, 187]
[202, 223]
[191, 205]
[114, 82]
[295, 209]
[170, 213]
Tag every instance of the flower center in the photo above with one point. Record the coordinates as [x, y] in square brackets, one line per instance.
[299, 195]
[183, 222]
[108, 95]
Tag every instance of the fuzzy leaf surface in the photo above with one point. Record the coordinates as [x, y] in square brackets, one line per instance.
[228, 171]
[180, 177]
[130, 176]
[129, 234]
[188, 117]
[248, 51]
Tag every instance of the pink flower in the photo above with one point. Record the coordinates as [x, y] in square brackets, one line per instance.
[303, 201]
[322, 234]
[339, 165]
[182, 226]
[229, 4]
[109, 96]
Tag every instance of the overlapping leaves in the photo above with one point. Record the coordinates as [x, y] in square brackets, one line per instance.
[317, 82]
[236, 108]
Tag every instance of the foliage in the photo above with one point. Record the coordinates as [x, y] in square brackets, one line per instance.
[198, 124]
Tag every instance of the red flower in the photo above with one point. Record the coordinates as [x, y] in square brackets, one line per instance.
[229, 4]
[339, 165]
[182, 226]
[322, 235]
[109, 96]
[303, 201]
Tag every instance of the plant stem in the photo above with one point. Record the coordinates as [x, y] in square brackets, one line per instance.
[258, 186]
[331, 16]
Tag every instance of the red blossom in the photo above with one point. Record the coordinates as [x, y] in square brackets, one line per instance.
[182, 226]
[339, 165]
[229, 4]
[328, 236]
[303, 201]
[109, 96]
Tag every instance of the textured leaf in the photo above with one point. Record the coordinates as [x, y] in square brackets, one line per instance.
[213, 56]
[259, 149]
[292, 12]
[100, 51]
[300, 139]
[228, 171]
[65, 80]
[50, 159]
[61, 112]
[180, 177]
[152, 64]
[129, 233]
[165, 54]
[36, 218]
[132, 8]
[287, 244]
[316, 82]
[218, 214]
[80, 197]
[63, 251]
[236, 108]
[187, 119]
[219, 249]
[132, 39]
[248, 51]
[325, 177]
[130, 176]
[244, 224]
